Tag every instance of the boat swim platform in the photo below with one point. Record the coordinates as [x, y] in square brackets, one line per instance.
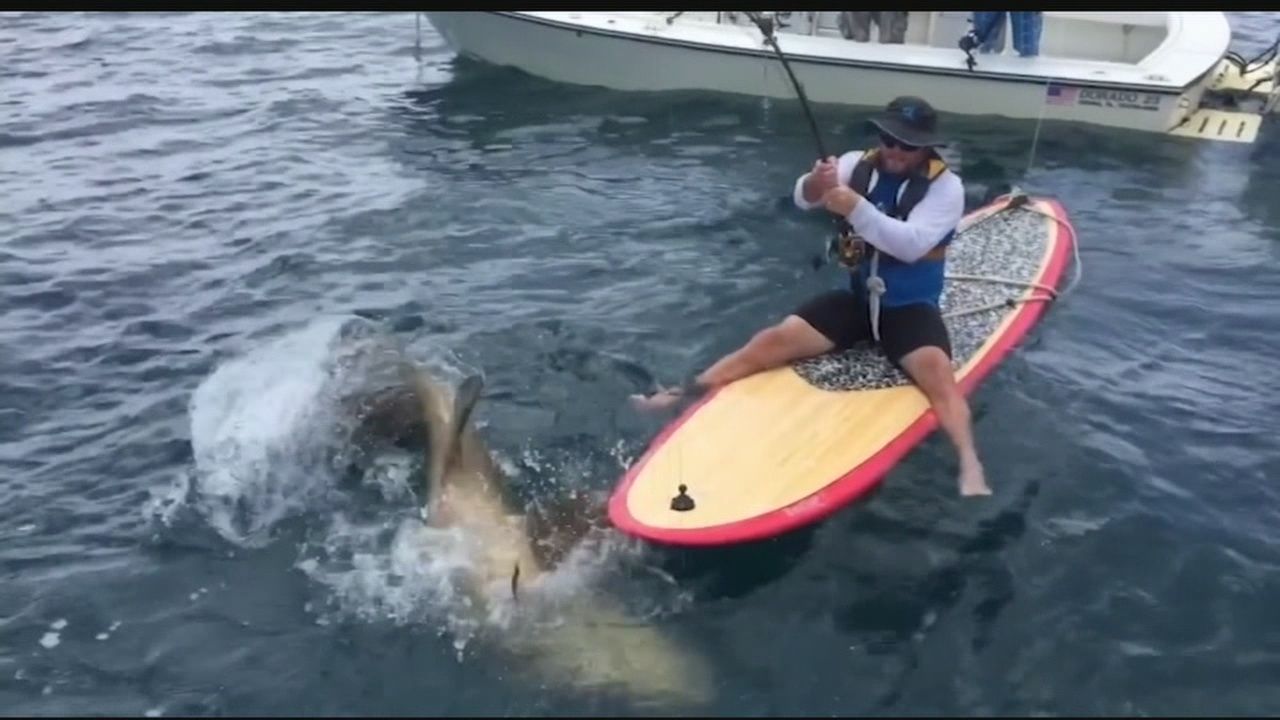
[1226, 125]
[1222, 116]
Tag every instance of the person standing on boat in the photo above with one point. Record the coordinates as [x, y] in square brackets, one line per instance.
[1027, 26]
[905, 204]
[891, 24]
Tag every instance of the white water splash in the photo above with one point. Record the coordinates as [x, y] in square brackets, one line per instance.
[404, 571]
[272, 436]
[260, 428]
[271, 433]
[398, 568]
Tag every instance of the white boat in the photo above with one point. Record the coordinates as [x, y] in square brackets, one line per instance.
[1164, 72]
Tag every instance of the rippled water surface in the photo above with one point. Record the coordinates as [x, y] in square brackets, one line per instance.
[193, 202]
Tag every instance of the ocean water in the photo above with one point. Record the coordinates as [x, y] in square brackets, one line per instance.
[196, 205]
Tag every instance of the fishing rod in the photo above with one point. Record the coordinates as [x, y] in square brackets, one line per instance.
[974, 39]
[766, 27]
[690, 389]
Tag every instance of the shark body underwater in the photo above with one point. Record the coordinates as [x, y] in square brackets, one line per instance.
[594, 644]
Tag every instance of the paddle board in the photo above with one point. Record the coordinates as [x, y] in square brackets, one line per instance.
[788, 447]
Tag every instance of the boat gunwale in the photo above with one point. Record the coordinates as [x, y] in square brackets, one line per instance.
[1157, 87]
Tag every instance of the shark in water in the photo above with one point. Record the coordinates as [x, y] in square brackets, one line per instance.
[594, 644]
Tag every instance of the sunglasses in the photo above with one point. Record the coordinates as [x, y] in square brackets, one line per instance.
[891, 142]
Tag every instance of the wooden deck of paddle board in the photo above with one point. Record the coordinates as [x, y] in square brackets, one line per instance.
[772, 452]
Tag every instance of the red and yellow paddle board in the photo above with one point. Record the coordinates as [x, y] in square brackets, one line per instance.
[788, 447]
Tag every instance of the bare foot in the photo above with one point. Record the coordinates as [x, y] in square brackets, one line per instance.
[973, 481]
[660, 400]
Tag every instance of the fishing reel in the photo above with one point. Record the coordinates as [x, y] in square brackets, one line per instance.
[974, 39]
[847, 248]
[768, 23]
[968, 43]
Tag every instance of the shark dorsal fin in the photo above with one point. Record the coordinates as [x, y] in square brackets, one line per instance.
[446, 423]
[464, 401]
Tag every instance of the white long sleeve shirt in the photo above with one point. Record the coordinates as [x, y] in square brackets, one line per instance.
[937, 213]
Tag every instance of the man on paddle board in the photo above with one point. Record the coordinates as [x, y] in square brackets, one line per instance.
[903, 205]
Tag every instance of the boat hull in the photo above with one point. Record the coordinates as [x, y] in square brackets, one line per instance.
[635, 62]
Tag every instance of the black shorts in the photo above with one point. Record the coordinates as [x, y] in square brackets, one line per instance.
[844, 317]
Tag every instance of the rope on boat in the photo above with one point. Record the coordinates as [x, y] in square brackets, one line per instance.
[1035, 138]
[417, 38]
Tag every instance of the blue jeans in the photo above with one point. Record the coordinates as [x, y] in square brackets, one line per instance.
[1027, 27]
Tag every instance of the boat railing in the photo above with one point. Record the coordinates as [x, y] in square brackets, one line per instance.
[1261, 69]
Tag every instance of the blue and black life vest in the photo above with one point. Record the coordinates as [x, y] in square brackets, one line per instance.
[896, 195]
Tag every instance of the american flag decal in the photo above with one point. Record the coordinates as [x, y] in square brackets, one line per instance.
[1061, 94]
